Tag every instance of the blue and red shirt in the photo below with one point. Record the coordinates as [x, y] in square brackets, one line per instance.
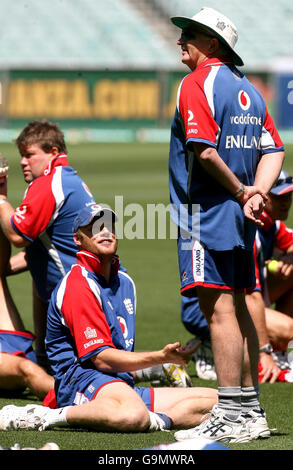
[273, 234]
[45, 218]
[88, 314]
[217, 106]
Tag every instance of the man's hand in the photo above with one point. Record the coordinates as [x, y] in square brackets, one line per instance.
[178, 354]
[250, 191]
[284, 270]
[270, 370]
[253, 208]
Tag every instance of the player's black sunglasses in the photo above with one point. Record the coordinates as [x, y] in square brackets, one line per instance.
[190, 33]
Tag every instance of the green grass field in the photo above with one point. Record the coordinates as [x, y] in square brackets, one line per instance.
[139, 173]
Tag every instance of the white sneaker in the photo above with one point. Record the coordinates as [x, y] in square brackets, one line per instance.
[204, 362]
[218, 428]
[281, 359]
[177, 375]
[21, 417]
[257, 423]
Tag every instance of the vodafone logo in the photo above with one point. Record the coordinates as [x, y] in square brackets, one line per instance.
[190, 120]
[85, 187]
[244, 100]
[123, 326]
[20, 214]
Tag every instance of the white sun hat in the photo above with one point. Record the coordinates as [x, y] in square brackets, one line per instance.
[216, 23]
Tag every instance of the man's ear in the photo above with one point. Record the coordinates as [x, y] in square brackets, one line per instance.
[77, 238]
[214, 45]
[54, 152]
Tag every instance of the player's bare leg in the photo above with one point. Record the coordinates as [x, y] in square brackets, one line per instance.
[218, 307]
[18, 373]
[235, 349]
[251, 344]
[117, 407]
[186, 407]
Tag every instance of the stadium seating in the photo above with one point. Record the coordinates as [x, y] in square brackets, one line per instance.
[114, 34]
[88, 34]
[265, 28]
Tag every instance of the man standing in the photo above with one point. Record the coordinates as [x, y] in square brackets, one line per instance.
[274, 326]
[225, 155]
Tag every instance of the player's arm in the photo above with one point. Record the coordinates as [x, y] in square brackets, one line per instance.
[269, 166]
[17, 264]
[24, 224]
[268, 170]
[211, 161]
[213, 164]
[6, 212]
[290, 250]
[116, 360]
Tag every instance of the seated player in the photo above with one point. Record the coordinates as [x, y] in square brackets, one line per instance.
[271, 303]
[41, 225]
[18, 367]
[90, 344]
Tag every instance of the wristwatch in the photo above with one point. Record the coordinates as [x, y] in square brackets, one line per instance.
[240, 191]
[267, 348]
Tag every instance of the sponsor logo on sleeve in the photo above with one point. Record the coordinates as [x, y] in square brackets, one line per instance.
[19, 214]
[123, 326]
[90, 333]
[92, 342]
[128, 342]
[86, 188]
[191, 123]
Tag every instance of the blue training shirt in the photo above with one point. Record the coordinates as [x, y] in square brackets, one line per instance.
[217, 106]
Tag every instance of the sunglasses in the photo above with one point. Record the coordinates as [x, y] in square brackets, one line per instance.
[189, 34]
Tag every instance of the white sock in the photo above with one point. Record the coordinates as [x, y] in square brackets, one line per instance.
[58, 416]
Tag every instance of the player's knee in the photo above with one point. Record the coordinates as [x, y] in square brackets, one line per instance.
[134, 418]
[289, 329]
[26, 370]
